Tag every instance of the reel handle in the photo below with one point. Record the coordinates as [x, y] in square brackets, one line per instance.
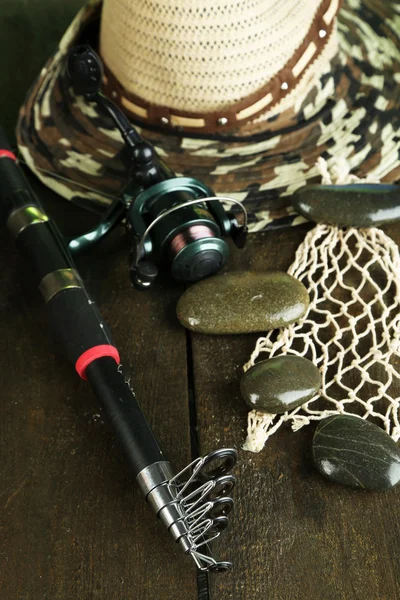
[85, 71]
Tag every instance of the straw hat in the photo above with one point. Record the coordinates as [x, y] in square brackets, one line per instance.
[244, 95]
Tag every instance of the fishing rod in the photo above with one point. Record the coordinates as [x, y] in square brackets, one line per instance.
[194, 503]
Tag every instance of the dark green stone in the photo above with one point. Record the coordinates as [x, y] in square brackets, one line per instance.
[280, 384]
[243, 302]
[355, 452]
[357, 205]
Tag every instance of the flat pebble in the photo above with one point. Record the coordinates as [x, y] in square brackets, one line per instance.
[280, 384]
[243, 302]
[357, 205]
[353, 451]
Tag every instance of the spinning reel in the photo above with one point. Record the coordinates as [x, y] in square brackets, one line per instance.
[176, 221]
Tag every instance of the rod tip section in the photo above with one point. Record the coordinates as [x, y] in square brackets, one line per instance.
[220, 567]
[218, 463]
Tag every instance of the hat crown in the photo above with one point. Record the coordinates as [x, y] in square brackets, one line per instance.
[205, 55]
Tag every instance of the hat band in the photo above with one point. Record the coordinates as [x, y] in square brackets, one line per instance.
[254, 105]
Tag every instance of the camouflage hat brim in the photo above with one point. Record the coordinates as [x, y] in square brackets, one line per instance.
[351, 112]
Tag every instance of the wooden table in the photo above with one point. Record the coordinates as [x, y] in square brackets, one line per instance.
[73, 523]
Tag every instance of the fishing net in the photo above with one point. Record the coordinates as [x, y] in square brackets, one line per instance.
[351, 330]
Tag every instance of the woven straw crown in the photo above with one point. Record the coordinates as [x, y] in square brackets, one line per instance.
[203, 63]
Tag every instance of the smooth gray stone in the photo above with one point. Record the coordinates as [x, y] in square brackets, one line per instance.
[356, 205]
[280, 384]
[243, 302]
[352, 451]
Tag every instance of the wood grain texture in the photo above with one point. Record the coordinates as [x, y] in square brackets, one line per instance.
[73, 523]
[292, 535]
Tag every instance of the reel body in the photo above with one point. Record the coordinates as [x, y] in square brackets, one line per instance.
[188, 238]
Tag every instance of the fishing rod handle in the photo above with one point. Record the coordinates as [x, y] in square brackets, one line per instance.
[74, 317]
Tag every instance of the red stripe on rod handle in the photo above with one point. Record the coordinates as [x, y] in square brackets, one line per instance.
[8, 154]
[93, 354]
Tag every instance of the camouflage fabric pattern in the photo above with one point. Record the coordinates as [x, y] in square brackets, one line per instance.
[352, 111]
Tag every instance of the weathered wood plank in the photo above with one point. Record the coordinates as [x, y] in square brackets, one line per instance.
[73, 523]
[292, 534]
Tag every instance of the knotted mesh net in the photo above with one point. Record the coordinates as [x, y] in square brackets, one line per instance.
[351, 330]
